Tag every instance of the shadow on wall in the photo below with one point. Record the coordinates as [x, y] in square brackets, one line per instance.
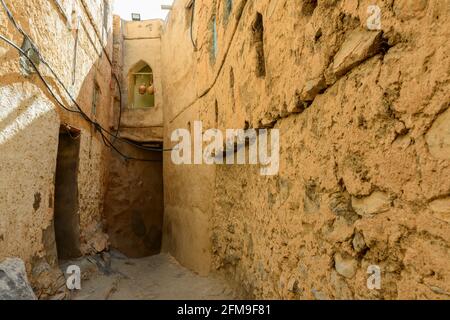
[47, 216]
[134, 203]
[30, 207]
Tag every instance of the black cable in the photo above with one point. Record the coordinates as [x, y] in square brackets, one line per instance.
[127, 158]
[11, 17]
[97, 126]
[39, 74]
[80, 110]
[70, 134]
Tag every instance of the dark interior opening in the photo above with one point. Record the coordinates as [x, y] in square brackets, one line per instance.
[134, 202]
[67, 220]
[258, 41]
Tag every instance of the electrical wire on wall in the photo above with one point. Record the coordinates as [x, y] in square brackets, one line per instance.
[120, 107]
[103, 132]
[97, 126]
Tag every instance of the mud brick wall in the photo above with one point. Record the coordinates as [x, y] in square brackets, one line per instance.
[364, 122]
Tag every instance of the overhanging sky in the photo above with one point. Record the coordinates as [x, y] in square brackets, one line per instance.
[149, 9]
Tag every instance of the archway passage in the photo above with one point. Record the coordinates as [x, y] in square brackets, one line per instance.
[67, 220]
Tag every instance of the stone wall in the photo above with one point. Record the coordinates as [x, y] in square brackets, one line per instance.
[365, 155]
[30, 122]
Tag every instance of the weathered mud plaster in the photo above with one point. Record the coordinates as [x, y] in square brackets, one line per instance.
[364, 169]
[364, 162]
[141, 43]
[29, 128]
[189, 189]
[134, 203]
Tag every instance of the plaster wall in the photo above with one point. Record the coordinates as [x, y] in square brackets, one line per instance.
[142, 43]
[30, 122]
[134, 205]
[365, 172]
[189, 189]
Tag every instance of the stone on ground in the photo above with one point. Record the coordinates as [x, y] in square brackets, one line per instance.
[14, 283]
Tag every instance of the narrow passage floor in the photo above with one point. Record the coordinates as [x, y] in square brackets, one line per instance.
[113, 276]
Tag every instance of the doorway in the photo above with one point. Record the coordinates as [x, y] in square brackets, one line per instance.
[134, 202]
[67, 220]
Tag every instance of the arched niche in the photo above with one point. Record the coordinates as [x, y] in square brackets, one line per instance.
[140, 76]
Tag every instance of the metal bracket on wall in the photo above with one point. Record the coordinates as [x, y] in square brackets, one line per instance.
[31, 53]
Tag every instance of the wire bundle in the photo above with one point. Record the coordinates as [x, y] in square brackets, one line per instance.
[103, 132]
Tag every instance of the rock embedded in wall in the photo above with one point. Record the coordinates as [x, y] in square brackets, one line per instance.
[345, 265]
[377, 202]
[438, 137]
[313, 88]
[441, 208]
[358, 46]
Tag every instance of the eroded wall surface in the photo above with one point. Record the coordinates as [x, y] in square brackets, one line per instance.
[30, 122]
[364, 162]
[141, 43]
[188, 189]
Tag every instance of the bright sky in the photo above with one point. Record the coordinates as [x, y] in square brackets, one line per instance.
[149, 9]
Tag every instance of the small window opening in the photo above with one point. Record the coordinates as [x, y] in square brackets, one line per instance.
[95, 99]
[309, 6]
[142, 88]
[105, 16]
[228, 9]
[214, 47]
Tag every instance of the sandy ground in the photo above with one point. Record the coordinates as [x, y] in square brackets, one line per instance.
[115, 277]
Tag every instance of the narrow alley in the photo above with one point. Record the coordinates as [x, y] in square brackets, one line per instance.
[224, 150]
[158, 277]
